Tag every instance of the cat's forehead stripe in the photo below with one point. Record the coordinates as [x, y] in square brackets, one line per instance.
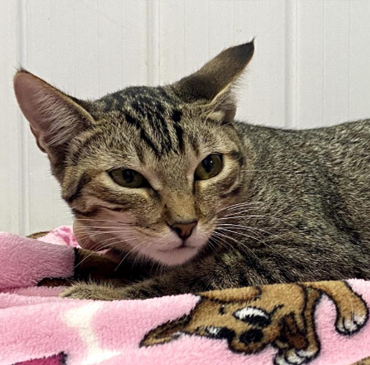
[155, 112]
[138, 95]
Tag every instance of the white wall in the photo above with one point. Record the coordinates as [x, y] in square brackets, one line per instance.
[311, 68]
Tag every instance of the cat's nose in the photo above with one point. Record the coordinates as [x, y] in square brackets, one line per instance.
[184, 229]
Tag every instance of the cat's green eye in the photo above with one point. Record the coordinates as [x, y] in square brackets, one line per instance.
[209, 167]
[128, 178]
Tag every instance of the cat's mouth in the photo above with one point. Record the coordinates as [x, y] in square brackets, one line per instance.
[175, 252]
[182, 246]
[169, 250]
[172, 256]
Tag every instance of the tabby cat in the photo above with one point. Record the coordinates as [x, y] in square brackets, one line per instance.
[192, 200]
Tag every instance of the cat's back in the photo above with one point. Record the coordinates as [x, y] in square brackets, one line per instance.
[346, 145]
[315, 170]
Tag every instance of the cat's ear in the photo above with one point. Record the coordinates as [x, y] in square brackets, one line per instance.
[212, 84]
[54, 117]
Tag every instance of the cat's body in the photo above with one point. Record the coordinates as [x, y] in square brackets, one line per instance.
[313, 186]
[166, 175]
[306, 215]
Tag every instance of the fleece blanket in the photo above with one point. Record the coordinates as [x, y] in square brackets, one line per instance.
[322, 323]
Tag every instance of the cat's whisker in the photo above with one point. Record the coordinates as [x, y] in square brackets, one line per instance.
[96, 232]
[237, 205]
[276, 251]
[245, 248]
[98, 227]
[99, 245]
[270, 235]
[237, 215]
[113, 241]
[214, 236]
[231, 224]
[239, 211]
[102, 224]
[84, 239]
[212, 246]
[269, 216]
[230, 216]
[252, 229]
[153, 265]
[258, 170]
[243, 228]
[243, 206]
[102, 220]
[102, 246]
[227, 237]
[221, 241]
[141, 242]
[106, 246]
[235, 232]
[247, 251]
[140, 256]
[86, 228]
[127, 254]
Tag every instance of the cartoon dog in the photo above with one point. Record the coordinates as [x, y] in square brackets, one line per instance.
[281, 315]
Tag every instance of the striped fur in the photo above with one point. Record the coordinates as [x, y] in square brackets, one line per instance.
[287, 205]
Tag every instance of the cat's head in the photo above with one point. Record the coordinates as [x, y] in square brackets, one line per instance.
[145, 169]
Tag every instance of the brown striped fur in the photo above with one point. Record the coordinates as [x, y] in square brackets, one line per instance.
[287, 205]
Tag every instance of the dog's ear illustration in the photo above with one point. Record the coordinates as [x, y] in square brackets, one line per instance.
[233, 295]
[167, 332]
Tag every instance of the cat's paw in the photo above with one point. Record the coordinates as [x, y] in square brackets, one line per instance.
[93, 292]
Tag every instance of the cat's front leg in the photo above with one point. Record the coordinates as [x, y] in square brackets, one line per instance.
[195, 277]
[192, 278]
[94, 292]
[106, 291]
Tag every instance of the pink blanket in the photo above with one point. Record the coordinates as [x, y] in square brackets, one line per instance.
[322, 323]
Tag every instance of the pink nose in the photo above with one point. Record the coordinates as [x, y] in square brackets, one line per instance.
[185, 229]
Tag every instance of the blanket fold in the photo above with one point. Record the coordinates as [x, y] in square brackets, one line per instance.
[322, 323]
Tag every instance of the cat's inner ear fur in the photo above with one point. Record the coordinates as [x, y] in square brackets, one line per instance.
[212, 85]
[55, 118]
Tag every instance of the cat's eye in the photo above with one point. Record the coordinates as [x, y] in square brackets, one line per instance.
[128, 178]
[209, 167]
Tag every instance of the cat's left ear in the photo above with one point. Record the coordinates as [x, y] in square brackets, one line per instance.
[55, 118]
[212, 84]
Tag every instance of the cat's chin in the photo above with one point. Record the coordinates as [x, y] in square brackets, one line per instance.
[173, 257]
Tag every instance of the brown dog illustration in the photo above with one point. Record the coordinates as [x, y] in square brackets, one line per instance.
[280, 315]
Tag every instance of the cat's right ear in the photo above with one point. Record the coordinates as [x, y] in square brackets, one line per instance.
[54, 117]
[213, 83]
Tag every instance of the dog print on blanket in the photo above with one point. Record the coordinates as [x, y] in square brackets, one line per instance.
[251, 318]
